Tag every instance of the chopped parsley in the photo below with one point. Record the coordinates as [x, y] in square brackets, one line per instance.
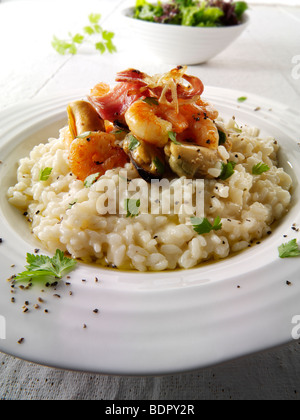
[133, 143]
[289, 249]
[45, 174]
[222, 137]
[160, 167]
[227, 170]
[151, 101]
[242, 99]
[236, 128]
[43, 267]
[84, 135]
[90, 180]
[173, 137]
[132, 207]
[260, 168]
[203, 225]
[72, 204]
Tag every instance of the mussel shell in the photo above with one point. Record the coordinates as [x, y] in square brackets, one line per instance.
[143, 173]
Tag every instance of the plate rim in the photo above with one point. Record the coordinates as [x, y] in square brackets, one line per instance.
[137, 292]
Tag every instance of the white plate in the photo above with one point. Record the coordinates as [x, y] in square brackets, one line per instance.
[149, 323]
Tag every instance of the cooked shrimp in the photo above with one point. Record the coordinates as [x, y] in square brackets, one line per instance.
[201, 129]
[100, 89]
[145, 123]
[207, 108]
[96, 153]
[178, 121]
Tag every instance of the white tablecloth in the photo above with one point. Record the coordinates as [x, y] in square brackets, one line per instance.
[263, 61]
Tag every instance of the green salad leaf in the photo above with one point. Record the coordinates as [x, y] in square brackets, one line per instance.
[206, 13]
[240, 8]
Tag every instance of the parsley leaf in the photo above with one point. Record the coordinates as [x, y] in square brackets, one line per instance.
[64, 47]
[203, 225]
[289, 249]
[91, 35]
[260, 168]
[45, 174]
[132, 207]
[227, 170]
[42, 267]
[94, 18]
[242, 99]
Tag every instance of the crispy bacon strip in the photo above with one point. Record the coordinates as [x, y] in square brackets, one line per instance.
[134, 84]
[112, 105]
[153, 84]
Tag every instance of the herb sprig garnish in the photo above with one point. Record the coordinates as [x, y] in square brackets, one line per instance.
[227, 170]
[93, 34]
[289, 249]
[41, 267]
[260, 168]
[45, 174]
[203, 225]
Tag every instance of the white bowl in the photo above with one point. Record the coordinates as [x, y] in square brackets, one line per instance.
[183, 45]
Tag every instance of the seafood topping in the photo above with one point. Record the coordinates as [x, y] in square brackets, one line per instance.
[91, 149]
[112, 104]
[147, 159]
[83, 118]
[192, 161]
[165, 127]
[168, 87]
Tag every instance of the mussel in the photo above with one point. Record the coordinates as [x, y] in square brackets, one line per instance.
[147, 159]
[83, 118]
[192, 161]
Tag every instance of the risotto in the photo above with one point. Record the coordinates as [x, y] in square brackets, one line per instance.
[91, 218]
